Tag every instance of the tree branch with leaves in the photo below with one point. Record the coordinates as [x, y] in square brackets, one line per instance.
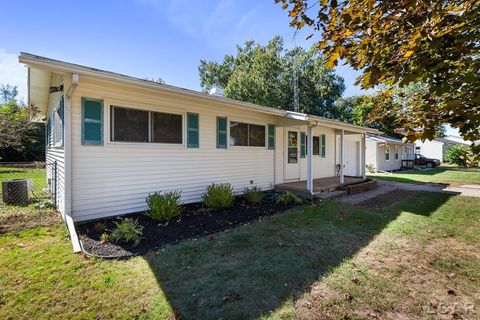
[435, 43]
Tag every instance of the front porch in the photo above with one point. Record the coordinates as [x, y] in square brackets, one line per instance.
[319, 185]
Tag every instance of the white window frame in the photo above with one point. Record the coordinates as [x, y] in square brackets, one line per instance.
[265, 125]
[387, 152]
[396, 153]
[109, 124]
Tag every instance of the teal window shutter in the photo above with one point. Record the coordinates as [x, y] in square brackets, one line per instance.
[92, 121]
[221, 133]
[271, 136]
[192, 130]
[302, 145]
[323, 145]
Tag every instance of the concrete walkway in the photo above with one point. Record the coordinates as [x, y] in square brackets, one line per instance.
[387, 186]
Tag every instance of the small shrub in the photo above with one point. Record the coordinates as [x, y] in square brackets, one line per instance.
[163, 207]
[219, 196]
[128, 230]
[289, 198]
[253, 194]
[104, 237]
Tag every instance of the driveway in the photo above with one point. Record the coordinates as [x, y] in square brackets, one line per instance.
[468, 190]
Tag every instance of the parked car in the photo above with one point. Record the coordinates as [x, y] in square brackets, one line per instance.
[421, 160]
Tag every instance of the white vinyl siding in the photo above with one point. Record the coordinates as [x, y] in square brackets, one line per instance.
[386, 165]
[55, 153]
[430, 149]
[115, 178]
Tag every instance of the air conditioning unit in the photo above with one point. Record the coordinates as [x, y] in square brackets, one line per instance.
[15, 192]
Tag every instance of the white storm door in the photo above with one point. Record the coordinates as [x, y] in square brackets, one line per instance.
[292, 165]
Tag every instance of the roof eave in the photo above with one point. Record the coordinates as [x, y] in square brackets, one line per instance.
[65, 67]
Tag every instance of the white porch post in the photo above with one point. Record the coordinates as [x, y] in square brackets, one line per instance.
[364, 150]
[309, 159]
[342, 144]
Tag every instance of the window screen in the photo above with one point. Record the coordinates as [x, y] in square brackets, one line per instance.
[129, 125]
[238, 134]
[167, 128]
[256, 135]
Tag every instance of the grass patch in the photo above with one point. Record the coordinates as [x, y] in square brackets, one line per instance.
[444, 175]
[411, 260]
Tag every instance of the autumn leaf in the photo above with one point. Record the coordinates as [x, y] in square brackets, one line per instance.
[408, 53]
[332, 60]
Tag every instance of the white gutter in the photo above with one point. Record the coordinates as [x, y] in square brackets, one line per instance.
[65, 67]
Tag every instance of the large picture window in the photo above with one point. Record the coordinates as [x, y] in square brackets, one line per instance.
[134, 125]
[246, 134]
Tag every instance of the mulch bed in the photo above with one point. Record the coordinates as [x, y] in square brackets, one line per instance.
[195, 221]
[386, 199]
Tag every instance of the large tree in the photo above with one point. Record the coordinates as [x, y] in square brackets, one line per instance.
[20, 139]
[401, 42]
[264, 75]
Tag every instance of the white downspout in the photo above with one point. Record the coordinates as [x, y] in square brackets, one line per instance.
[310, 184]
[342, 144]
[68, 162]
[364, 150]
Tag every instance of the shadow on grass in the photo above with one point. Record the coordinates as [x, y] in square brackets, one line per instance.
[406, 180]
[254, 269]
[410, 176]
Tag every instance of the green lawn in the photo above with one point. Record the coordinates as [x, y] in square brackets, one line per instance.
[443, 174]
[414, 259]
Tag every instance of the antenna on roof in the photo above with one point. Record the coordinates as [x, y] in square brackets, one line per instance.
[296, 96]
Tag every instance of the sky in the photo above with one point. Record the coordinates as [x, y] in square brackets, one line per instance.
[141, 38]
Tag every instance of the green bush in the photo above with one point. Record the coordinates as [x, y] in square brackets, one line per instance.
[219, 196]
[163, 207]
[458, 154]
[128, 230]
[455, 153]
[253, 194]
[289, 198]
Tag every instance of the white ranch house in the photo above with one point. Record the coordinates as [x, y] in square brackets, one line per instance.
[386, 153]
[438, 147]
[116, 139]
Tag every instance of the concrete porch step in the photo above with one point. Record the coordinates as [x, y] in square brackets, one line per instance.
[331, 194]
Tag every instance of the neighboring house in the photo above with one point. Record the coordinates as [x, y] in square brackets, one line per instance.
[386, 153]
[116, 139]
[437, 148]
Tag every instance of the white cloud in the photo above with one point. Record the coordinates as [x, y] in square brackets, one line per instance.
[13, 73]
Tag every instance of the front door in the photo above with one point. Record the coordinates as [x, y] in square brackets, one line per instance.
[292, 166]
[352, 158]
